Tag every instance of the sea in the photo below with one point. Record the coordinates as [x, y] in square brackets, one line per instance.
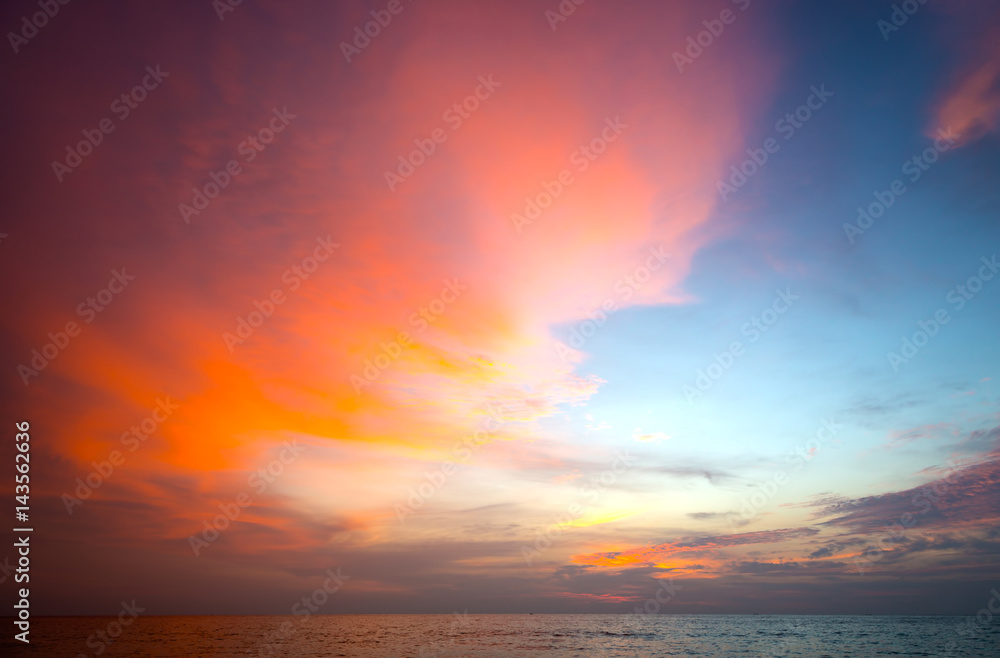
[426, 636]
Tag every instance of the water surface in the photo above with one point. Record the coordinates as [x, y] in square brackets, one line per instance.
[425, 636]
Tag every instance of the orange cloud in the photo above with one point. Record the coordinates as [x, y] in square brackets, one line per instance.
[972, 106]
[702, 555]
[642, 149]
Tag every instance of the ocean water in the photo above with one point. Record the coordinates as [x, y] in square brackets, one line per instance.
[425, 636]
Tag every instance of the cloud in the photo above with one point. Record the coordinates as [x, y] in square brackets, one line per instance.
[680, 555]
[649, 437]
[898, 438]
[971, 108]
[955, 513]
[946, 527]
[712, 475]
[786, 568]
[960, 497]
[707, 516]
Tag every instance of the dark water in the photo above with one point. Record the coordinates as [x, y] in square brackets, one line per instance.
[512, 635]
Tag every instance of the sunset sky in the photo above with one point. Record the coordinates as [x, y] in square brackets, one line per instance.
[505, 309]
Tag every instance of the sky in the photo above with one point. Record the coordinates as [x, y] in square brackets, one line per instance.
[504, 306]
